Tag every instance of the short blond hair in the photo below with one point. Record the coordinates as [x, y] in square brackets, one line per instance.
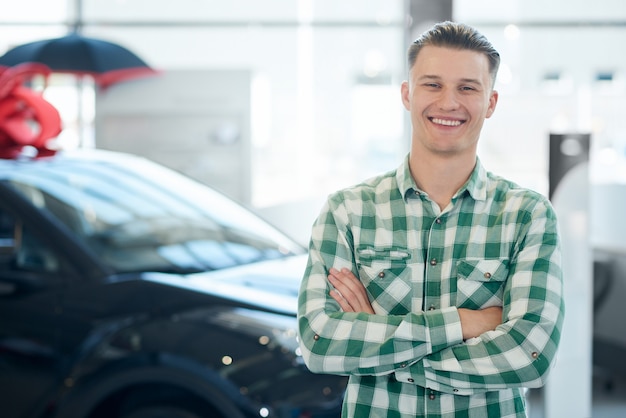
[458, 36]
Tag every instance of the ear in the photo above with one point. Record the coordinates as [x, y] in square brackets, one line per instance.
[404, 91]
[493, 101]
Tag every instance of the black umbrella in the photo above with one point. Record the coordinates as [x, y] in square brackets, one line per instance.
[106, 62]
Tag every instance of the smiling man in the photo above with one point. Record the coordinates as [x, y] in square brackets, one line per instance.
[437, 286]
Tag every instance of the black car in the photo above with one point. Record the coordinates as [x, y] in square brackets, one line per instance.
[129, 290]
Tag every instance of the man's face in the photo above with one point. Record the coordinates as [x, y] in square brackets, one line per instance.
[449, 95]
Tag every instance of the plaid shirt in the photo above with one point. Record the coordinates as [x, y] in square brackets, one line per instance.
[495, 244]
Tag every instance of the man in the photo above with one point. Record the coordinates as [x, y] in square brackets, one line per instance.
[436, 287]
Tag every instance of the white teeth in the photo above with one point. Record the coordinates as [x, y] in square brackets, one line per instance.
[446, 122]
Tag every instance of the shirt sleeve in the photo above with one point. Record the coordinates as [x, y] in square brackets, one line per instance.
[521, 351]
[337, 342]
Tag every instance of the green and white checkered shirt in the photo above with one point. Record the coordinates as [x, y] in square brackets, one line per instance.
[496, 244]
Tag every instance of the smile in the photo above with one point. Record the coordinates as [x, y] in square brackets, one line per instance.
[446, 122]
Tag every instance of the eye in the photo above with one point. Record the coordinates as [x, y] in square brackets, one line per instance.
[467, 88]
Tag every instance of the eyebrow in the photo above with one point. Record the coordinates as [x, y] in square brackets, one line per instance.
[438, 78]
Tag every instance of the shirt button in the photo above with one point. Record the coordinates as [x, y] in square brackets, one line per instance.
[431, 308]
[431, 396]
[316, 337]
[487, 275]
[433, 262]
[437, 221]
[381, 274]
[410, 380]
[535, 354]
[455, 390]
[403, 365]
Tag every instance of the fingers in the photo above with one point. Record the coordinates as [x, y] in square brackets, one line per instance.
[349, 292]
[345, 306]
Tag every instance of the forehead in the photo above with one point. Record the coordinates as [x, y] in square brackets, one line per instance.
[451, 63]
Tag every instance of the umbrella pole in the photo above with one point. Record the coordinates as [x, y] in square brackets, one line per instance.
[84, 120]
[80, 116]
[78, 16]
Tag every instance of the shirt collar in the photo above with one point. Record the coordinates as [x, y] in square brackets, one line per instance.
[476, 185]
[405, 181]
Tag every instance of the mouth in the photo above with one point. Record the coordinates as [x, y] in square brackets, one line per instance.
[447, 122]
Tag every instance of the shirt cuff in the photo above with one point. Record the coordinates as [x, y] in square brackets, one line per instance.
[444, 326]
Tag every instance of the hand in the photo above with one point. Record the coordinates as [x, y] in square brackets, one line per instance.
[477, 322]
[349, 292]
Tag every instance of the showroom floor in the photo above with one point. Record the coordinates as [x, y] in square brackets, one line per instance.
[609, 399]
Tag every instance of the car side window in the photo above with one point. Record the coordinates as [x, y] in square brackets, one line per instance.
[22, 250]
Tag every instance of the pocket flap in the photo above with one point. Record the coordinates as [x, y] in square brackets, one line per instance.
[483, 270]
[392, 254]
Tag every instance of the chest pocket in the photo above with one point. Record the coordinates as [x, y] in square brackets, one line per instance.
[480, 283]
[385, 275]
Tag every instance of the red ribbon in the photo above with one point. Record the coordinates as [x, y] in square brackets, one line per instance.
[26, 118]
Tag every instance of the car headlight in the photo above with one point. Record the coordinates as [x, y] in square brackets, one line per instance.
[272, 330]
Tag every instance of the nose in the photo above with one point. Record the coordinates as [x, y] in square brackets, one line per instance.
[448, 99]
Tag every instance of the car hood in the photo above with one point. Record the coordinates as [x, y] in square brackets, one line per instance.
[270, 285]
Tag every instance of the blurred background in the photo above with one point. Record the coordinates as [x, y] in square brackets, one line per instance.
[278, 103]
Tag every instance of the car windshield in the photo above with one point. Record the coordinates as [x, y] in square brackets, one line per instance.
[139, 216]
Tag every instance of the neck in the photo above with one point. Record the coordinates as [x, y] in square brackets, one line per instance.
[441, 176]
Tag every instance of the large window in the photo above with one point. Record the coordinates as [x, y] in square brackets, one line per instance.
[326, 109]
[325, 105]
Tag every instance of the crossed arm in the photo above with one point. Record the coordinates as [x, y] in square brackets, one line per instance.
[341, 334]
[351, 295]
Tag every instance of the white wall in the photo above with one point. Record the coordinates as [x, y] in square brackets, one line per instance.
[312, 128]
